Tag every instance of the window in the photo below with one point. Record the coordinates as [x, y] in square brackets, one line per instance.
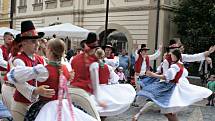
[38, 5]
[51, 4]
[38, 1]
[22, 6]
[22, 2]
[66, 3]
[95, 2]
[132, 0]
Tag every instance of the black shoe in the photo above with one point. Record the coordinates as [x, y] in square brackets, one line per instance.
[212, 104]
[149, 100]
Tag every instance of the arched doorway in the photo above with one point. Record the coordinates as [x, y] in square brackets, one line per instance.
[116, 38]
[118, 35]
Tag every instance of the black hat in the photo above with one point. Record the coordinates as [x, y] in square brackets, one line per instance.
[172, 45]
[91, 40]
[172, 41]
[28, 31]
[143, 47]
[108, 45]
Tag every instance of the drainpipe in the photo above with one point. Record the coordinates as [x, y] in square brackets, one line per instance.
[157, 30]
[106, 23]
[11, 12]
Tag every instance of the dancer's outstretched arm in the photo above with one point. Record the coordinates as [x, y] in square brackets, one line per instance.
[197, 57]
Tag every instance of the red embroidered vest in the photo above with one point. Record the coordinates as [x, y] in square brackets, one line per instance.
[80, 65]
[138, 63]
[104, 74]
[179, 74]
[5, 56]
[30, 63]
[53, 80]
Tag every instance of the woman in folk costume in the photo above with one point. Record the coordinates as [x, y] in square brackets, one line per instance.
[54, 75]
[8, 88]
[172, 92]
[27, 92]
[165, 65]
[102, 74]
[110, 58]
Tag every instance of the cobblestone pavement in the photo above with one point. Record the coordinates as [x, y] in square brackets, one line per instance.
[196, 112]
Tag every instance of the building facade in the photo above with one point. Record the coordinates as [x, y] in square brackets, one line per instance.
[4, 13]
[130, 21]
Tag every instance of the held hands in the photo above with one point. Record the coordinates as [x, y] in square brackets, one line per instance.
[44, 91]
[149, 73]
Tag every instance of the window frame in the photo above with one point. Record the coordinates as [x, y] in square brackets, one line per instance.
[93, 2]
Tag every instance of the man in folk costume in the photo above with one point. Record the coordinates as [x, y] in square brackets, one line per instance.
[4, 54]
[165, 65]
[8, 88]
[142, 63]
[81, 62]
[27, 93]
[110, 58]
[55, 74]
[82, 82]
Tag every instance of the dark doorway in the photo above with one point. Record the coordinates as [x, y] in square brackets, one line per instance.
[118, 39]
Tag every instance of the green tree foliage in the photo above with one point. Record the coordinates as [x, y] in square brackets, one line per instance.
[195, 20]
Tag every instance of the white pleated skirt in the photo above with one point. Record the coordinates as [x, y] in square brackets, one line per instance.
[49, 112]
[117, 96]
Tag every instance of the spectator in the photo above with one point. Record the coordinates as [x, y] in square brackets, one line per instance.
[211, 86]
[122, 77]
[69, 54]
[110, 58]
[205, 69]
[124, 62]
